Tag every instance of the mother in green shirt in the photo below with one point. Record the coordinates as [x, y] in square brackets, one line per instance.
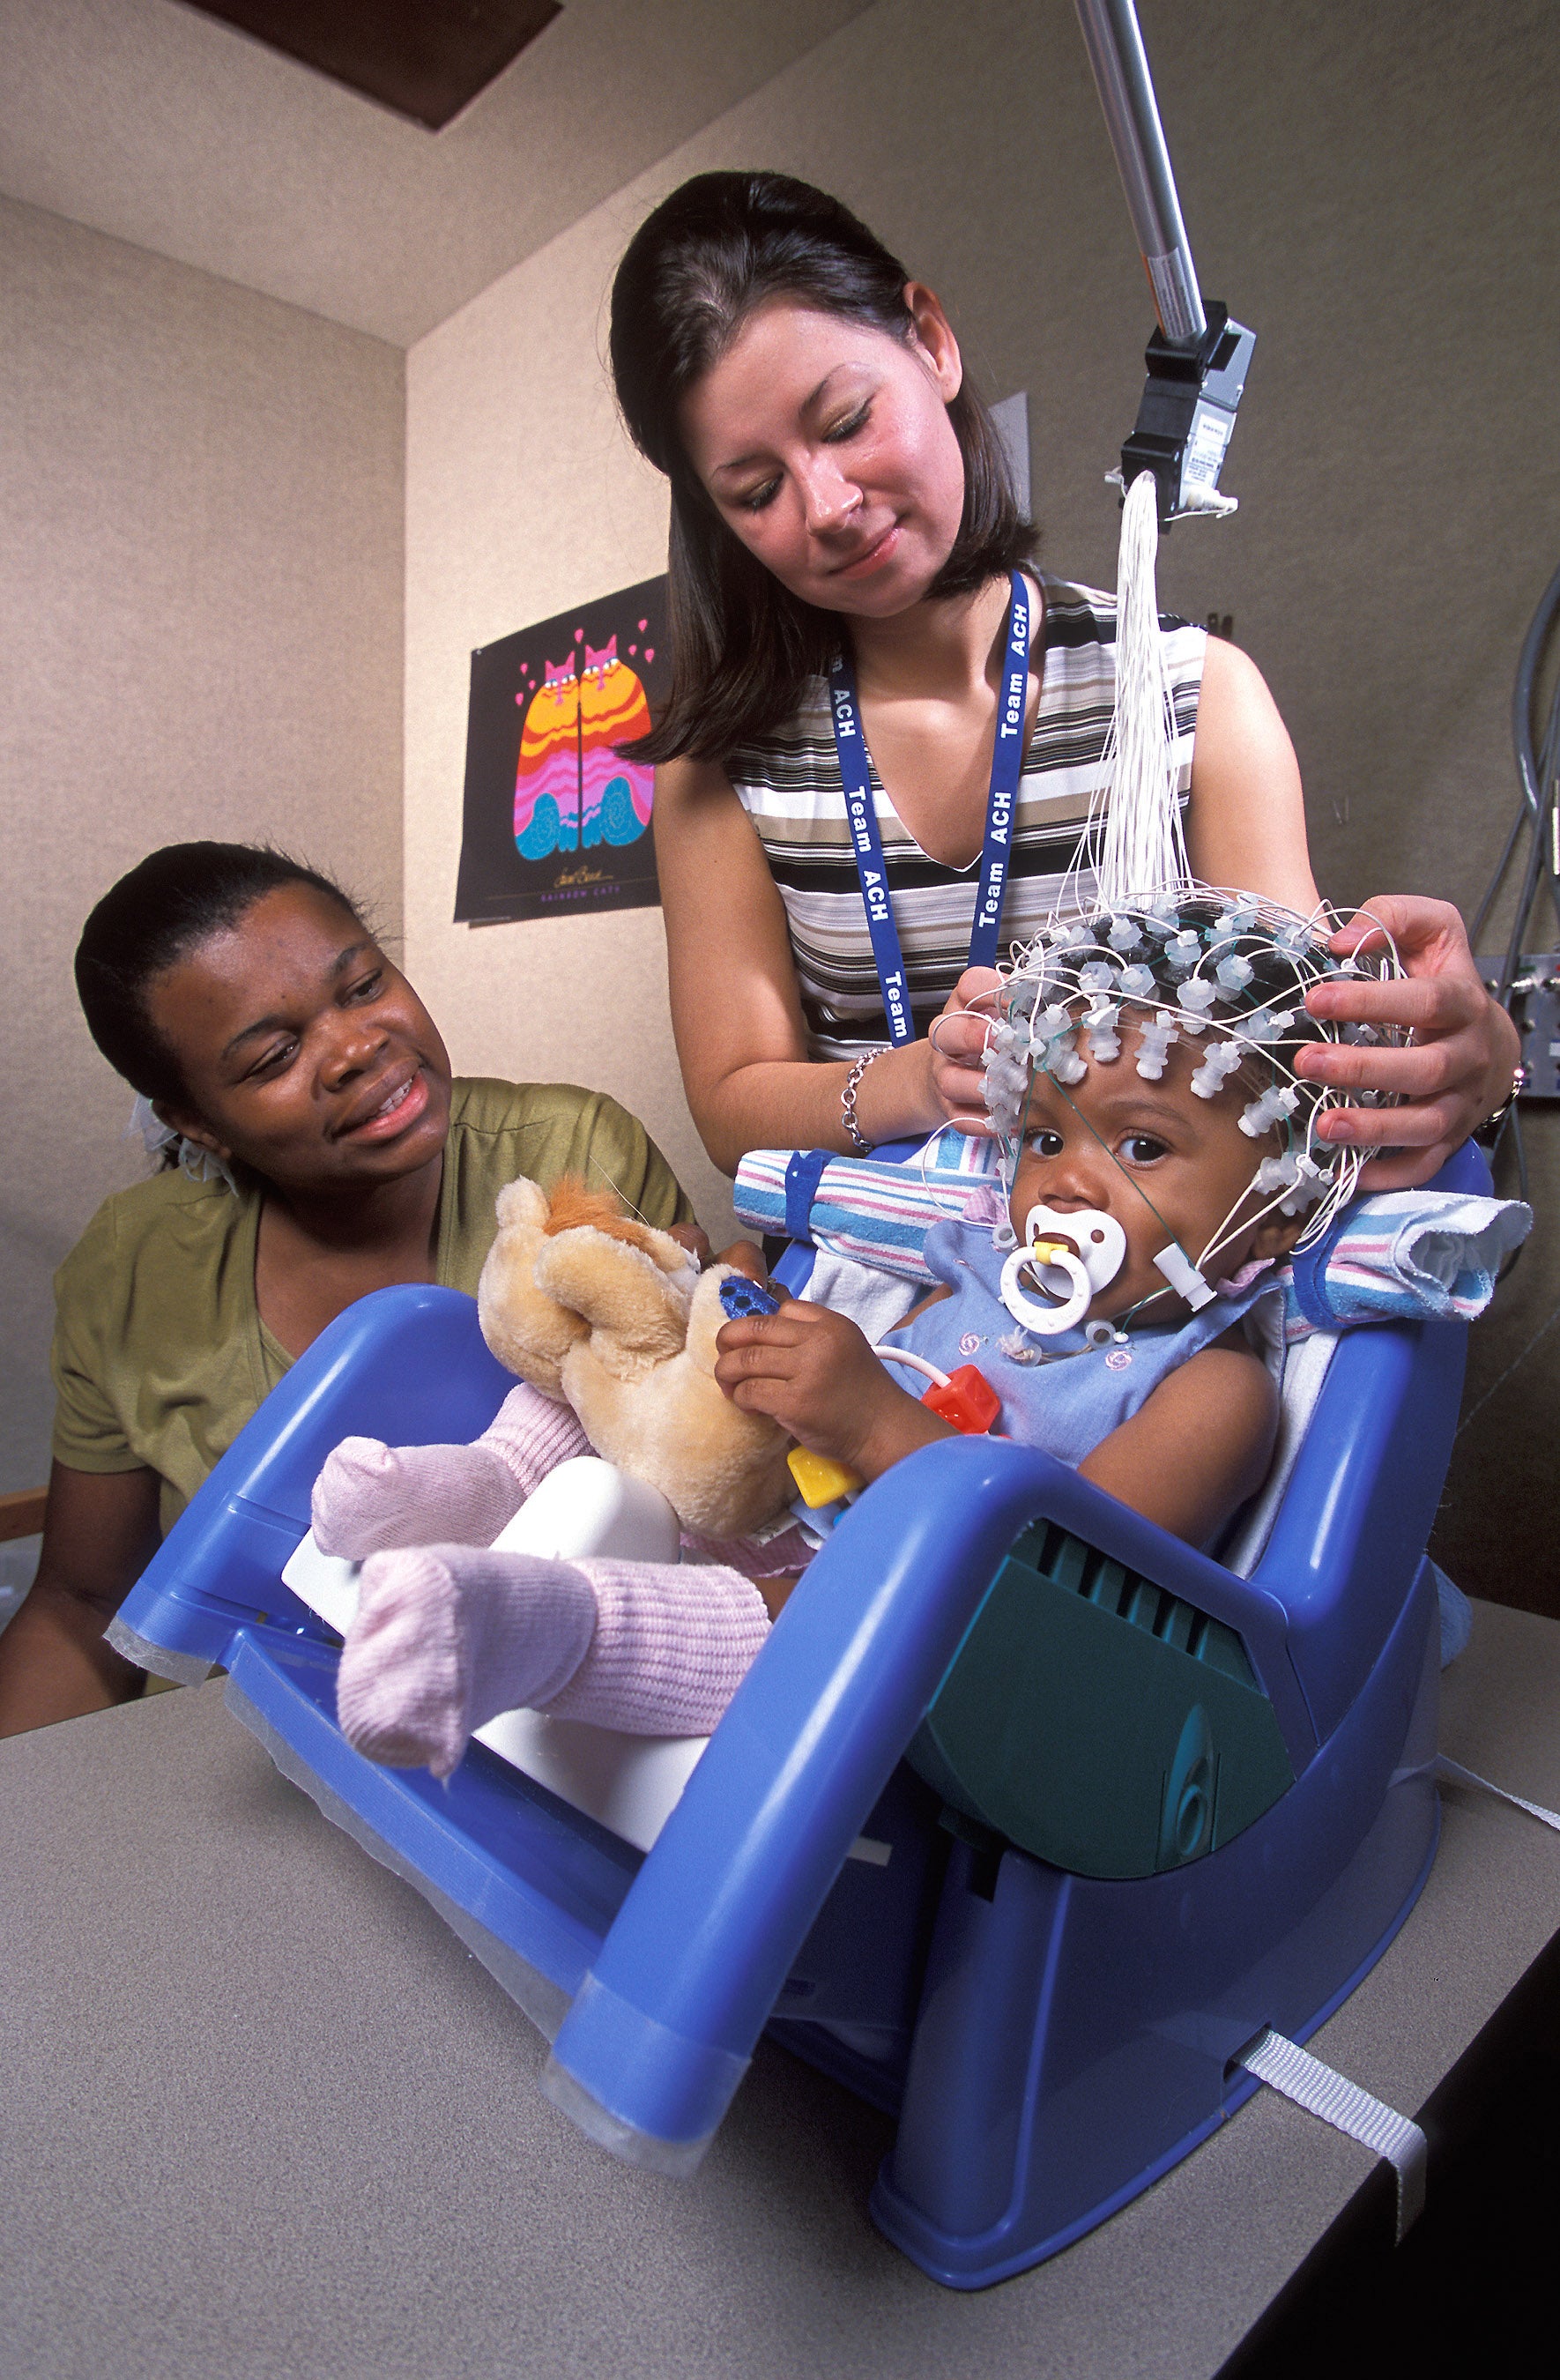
[322, 1151]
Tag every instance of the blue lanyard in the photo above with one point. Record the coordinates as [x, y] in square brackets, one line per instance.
[855, 776]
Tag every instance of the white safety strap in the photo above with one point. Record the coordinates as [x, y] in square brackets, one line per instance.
[1324, 2092]
[1455, 1773]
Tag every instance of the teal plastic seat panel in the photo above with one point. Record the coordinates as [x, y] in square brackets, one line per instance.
[1098, 1723]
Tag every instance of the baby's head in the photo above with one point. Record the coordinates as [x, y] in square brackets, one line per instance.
[1138, 1072]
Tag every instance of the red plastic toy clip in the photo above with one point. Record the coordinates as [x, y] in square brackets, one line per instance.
[969, 1400]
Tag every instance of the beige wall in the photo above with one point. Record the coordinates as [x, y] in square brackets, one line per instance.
[522, 499]
[200, 582]
[1374, 190]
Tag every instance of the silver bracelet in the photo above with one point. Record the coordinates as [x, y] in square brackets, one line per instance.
[1490, 1131]
[848, 1104]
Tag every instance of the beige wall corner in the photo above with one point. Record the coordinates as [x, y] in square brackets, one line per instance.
[200, 526]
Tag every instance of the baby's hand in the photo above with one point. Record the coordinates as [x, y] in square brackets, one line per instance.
[814, 1373]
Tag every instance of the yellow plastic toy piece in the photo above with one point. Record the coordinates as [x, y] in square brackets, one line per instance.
[820, 1479]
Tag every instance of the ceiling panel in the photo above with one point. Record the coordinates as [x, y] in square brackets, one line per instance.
[426, 58]
[147, 119]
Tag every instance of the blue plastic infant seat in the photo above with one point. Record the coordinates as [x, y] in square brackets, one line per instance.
[1026, 1821]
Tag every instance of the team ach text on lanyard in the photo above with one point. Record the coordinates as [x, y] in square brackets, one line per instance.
[855, 775]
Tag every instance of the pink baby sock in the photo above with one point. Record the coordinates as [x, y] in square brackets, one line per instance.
[446, 1638]
[674, 1642]
[370, 1496]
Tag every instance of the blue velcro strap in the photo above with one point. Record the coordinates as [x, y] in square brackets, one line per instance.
[802, 1178]
[1309, 1271]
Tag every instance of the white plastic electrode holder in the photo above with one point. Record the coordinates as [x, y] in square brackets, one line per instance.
[1085, 1251]
[1184, 1277]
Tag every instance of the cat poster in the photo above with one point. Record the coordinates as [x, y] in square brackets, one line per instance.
[557, 821]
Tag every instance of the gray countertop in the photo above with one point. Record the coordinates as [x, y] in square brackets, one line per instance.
[264, 2116]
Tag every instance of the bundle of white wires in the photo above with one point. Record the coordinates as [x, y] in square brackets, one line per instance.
[1135, 818]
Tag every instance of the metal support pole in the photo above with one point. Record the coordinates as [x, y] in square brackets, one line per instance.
[1132, 116]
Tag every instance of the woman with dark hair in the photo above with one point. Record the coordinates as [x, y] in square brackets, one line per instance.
[852, 592]
[323, 1151]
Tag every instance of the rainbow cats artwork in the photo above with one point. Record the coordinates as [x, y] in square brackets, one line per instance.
[556, 823]
[571, 791]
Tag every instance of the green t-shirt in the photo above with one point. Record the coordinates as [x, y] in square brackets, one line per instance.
[160, 1355]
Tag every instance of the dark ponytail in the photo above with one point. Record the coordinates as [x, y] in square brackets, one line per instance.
[742, 644]
[153, 917]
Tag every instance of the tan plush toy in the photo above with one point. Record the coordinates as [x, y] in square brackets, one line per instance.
[609, 1317]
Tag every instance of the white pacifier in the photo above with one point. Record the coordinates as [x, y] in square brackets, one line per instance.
[1072, 1257]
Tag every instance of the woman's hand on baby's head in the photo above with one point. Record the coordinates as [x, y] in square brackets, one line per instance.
[1458, 1068]
[813, 1372]
[957, 1037]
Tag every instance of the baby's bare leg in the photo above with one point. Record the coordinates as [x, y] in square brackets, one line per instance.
[446, 1638]
[370, 1496]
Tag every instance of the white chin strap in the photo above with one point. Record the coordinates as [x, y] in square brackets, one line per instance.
[1072, 1257]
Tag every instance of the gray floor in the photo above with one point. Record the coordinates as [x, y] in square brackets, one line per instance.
[263, 2115]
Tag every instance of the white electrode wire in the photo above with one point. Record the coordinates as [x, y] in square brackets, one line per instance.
[1230, 1229]
[1397, 968]
[1326, 1209]
[970, 1008]
[916, 1364]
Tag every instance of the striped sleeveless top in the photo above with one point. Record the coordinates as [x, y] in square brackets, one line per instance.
[790, 787]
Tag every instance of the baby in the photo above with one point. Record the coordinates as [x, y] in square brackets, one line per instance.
[1158, 1159]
